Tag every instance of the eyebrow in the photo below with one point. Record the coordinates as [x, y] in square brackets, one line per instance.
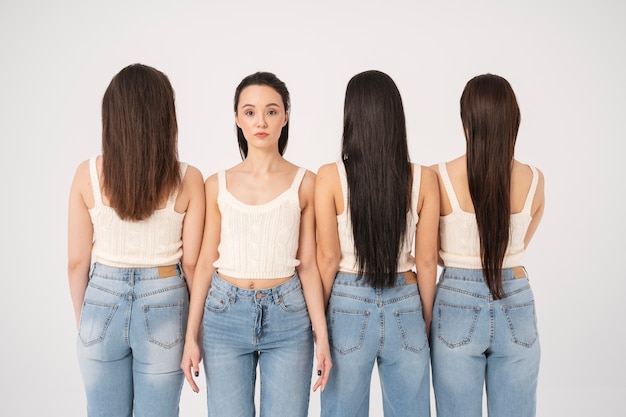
[268, 105]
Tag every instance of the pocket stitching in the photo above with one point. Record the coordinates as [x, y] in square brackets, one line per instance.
[466, 339]
[365, 315]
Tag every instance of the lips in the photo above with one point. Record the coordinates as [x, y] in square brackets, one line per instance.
[261, 135]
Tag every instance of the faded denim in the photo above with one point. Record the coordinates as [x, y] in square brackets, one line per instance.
[478, 342]
[130, 341]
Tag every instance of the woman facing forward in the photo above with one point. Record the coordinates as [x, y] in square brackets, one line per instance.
[373, 209]
[484, 330]
[140, 213]
[257, 275]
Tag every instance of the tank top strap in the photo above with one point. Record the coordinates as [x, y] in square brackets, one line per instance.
[454, 202]
[297, 180]
[343, 179]
[95, 181]
[221, 183]
[415, 188]
[531, 192]
[174, 195]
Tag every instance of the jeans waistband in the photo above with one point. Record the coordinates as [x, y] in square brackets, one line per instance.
[274, 293]
[123, 274]
[349, 278]
[508, 274]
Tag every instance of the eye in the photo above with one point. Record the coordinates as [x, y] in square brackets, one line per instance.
[272, 112]
[248, 113]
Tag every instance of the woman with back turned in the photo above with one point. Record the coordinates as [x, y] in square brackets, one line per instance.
[484, 332]
[140, 213]
[374, 209]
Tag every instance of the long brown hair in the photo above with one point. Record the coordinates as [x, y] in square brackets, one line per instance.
[491, 119]
[378, 169]
[140, 165]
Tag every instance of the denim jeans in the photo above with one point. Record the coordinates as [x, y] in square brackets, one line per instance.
[368, 325]
[130, 341]
[271, 328]
[481, 342]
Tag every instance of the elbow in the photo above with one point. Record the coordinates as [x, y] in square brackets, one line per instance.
[427, 263]
[75, 266]
[328, 260]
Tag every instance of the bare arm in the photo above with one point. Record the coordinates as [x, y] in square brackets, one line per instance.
[310, 279]
[79, 239]
[536, 210]
[193, 225]
[328, 249]
[192, 353]
[426, 242]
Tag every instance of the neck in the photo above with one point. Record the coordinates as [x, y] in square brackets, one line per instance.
[263, 161]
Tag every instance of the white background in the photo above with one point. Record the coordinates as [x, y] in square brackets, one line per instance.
[565, 60]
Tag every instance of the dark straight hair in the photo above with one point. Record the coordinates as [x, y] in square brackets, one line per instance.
[139, 141]
[491, 120]
[375, 154]
[270, 80]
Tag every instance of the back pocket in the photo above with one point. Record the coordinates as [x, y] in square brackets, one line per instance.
[94, 322]
[456, 323]
[412, 330]
[164, 324]
[348, 330]
[522, 321]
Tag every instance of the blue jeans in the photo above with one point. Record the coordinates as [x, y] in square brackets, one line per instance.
[478, 341]
[130, 341]
[271, 328]
[368, 325]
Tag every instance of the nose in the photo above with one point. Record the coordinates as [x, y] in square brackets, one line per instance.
[261, 120]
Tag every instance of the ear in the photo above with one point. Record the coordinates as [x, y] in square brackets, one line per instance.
[286, 118]
[237, 120]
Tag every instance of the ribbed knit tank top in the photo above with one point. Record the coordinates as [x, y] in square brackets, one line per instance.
[458, 231]
[259, 241]
[344, 226]
[155, 241]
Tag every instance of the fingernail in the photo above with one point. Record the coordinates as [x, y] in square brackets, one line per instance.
[319, 373]
[196, 373]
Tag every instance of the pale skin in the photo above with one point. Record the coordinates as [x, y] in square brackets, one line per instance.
[521, 178]
[190, 200]
[329, 204]
[262, 176]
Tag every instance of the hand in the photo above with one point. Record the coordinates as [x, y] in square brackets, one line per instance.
[324, 363]
[191, 363]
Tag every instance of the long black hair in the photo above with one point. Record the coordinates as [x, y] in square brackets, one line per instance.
[378, 168]
[270, 80]
[491, 119]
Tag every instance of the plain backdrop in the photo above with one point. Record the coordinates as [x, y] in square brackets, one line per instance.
[565, 61]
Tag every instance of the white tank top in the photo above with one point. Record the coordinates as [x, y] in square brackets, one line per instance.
[259, 241]
[344, 226]
[155, 241]
[458, 231]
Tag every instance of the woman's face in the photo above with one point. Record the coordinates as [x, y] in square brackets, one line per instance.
[261, 116]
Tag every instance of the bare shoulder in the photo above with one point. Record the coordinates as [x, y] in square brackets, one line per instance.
[193, 183]
[308, 181]
[434, 168]
[429, 174]
[429, 184]
[211, 181]
[193, 174]
[82, 178]
[327, 170]
[82, 170]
